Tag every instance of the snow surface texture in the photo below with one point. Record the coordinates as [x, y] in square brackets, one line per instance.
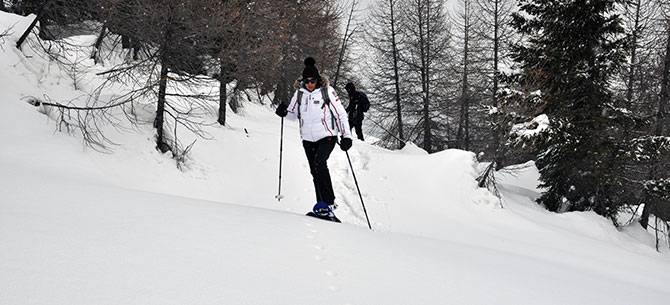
[81, 227]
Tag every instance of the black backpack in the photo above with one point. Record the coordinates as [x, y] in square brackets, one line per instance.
[364, 102]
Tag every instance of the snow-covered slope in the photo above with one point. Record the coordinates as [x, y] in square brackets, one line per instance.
[82, 227]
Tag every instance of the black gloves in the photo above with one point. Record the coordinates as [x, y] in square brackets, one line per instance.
[282, 110]
[345, 144]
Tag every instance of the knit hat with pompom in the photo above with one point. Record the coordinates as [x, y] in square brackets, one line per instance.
[310, 70]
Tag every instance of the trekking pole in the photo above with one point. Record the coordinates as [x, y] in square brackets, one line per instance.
[353, 173]
[387, 131]
[359, 190]
[281, 150]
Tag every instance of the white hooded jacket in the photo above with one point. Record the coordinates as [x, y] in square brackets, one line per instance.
[316, 120]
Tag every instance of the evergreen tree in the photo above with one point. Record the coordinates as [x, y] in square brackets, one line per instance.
[654, 151]
[573, 49]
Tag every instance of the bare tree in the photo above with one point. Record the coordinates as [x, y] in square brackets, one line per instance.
[177, 45]
[346, 38]
[496, 35]
[237, 34]
[427, 43]
[465, 22]
[175, 36]
[310, 29]
[385, 39]
[639, 18]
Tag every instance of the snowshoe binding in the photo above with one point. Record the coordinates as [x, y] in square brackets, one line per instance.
[323, 211]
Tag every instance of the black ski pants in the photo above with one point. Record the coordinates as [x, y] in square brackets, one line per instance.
[356, 122]
[317, 156]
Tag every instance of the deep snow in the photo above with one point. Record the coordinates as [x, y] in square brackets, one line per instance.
[82, 227]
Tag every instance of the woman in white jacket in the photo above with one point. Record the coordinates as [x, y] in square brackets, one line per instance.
[321, 119]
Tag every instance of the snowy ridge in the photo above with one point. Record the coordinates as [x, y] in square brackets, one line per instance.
[82, 227]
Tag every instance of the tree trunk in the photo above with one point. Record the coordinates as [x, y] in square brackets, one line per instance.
[136, 48]
[661, 123]
[98, 42]
[125, 42]
[644, 219]
[234, 102]
[223, 97]
[158, 122]
[499, 149]
[427, 145]
[633, 56]
[463, 134]
[32, 24]
[345, 39]
[496, 49]
[223, 94]
[222, 101]
[44, 33]
[429, 123]
[280, 93]
[396, 79]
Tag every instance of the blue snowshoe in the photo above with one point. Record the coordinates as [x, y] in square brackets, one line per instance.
[323, 211]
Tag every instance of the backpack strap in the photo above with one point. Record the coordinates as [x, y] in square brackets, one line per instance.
[326, 97]
[326, 103]
[324, 94]
[299, 99]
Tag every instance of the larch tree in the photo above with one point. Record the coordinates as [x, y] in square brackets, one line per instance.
[311, 29]
[426, 45]
[175, 37]
[386, 41]
[496, 35]
[469, 65]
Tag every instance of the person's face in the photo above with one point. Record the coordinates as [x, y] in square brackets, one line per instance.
[310, 83]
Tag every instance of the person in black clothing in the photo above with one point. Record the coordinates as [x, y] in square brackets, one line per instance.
[358, 104]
